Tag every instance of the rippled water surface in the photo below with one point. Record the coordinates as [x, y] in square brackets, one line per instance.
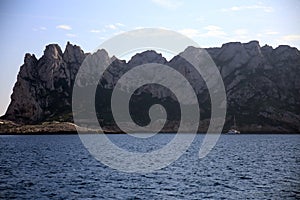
[239, 167]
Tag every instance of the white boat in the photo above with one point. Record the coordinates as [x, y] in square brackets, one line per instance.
[233, 129]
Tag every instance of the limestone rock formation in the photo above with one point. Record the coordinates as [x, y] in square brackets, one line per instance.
[262, 84]
[43, 88]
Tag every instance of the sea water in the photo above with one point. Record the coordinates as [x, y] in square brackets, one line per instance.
[261, 166]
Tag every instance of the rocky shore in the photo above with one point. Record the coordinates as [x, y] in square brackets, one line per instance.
[11, 128]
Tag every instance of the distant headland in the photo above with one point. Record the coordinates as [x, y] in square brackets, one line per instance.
[262, 86]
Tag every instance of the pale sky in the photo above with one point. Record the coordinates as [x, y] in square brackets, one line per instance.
[28, 26]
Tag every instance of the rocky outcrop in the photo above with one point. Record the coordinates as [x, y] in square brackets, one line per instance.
[9, 127]
[262, 85]
[44, 87]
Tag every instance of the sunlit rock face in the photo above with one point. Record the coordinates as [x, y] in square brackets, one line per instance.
[262, 83]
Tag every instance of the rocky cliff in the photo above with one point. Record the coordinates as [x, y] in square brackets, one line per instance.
[44, 86]
[262, 85]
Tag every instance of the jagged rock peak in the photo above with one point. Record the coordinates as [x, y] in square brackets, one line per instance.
[267, 51]
[267, 48]
[192, 53]
[192, 49]
[102, 52]
[231, 44]
[253, 48]
[53, 51]
[28, 70]
[285, 52]
[29, 58]
[148, 56]
[73, 53]
[253, 43]
[283, 48]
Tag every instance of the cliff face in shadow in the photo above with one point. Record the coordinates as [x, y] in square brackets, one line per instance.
[262, 86]
[44, 86]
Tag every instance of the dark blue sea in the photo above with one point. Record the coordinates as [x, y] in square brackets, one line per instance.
[239, 167]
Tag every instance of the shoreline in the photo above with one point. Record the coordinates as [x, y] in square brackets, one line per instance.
[67, 128]
[122, 133]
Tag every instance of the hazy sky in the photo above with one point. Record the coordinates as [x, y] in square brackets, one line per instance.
[27, 26]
